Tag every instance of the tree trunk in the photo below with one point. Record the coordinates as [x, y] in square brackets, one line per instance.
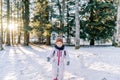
[19, 34]
[68, 31]
[48, 18]
[20, 22]
[91, 20]
[39, 40]
[1, 47]
[61, 13]
[26, 38]
[26, 21]
[12, 37]
[15, 22]
[48, 40]
[68, 40]
[117, 33]
[19, 37]
[77, 22]
[8, 19]
[1, 30]
[1, 23]
[92, 42]
[12, 22]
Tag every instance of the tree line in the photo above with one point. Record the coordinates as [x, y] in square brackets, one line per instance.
[90, 20]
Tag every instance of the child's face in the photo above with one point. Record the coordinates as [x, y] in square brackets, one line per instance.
[59, 44]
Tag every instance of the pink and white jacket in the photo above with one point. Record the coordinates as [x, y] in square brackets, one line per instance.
[59, 57]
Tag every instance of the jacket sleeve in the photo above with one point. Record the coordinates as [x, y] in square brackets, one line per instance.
[50, 55]
[67, 57]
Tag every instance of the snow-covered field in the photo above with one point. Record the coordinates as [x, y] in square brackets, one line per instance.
[29, 63]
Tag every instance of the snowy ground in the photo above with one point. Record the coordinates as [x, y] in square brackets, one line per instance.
[29, 63]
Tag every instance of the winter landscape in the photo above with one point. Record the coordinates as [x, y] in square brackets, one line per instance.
[87, 63]
[90, 30]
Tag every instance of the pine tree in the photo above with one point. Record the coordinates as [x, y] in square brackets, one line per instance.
[98, 20]
[65, 18]
[70, 19]
[41, 22]
[8, 22]
[26, 21]
[19, 20]
[59, 14]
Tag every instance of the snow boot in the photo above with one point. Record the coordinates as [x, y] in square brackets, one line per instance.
[55, 79]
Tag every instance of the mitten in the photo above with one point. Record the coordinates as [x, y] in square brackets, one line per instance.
[68, 63]
[48, 59]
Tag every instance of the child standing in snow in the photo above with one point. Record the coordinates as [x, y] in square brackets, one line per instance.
[59, 58]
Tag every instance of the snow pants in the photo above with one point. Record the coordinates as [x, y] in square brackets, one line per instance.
[58, 71]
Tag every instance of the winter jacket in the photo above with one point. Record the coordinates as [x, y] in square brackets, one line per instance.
[59, 57]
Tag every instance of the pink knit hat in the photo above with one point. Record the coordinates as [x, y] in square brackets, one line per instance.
[59, 40]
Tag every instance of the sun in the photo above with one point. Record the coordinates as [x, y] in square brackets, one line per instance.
[12, 26]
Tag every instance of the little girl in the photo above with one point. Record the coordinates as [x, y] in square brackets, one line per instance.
[59, 56]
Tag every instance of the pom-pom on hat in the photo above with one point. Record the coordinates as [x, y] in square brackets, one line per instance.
[59, 40]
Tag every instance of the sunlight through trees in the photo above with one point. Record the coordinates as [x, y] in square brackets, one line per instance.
[36, 21]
